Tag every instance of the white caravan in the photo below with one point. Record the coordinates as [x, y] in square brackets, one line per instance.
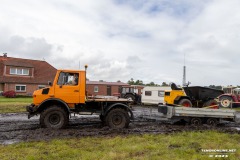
[153, 95]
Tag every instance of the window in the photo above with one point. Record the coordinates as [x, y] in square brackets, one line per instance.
[148, 93]
[160, 93]
[20, 88]
[19, 71]
[41, 86]
[68, 79]
[95, 88]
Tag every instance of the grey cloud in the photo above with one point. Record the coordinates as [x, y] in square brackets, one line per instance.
[29, 47]
[26, 47]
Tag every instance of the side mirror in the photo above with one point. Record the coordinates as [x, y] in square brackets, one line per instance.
[49, 83]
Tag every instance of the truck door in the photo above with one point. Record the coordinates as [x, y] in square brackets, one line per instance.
[68, 87]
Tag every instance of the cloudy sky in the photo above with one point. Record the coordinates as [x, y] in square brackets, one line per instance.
[124, 39]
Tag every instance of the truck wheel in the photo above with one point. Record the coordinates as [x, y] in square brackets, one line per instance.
[196, 121]
[213, 103]
[225, 102]
[54, 117]
[185, 103]
[212, 122]
[117, 118]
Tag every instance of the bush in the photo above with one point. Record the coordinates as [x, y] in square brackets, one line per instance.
[9, 94]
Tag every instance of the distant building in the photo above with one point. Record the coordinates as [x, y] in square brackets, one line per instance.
[104, 88]
[24, 75]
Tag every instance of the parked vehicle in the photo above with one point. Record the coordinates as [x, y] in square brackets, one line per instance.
[230, 98]
[67, 94]
[192, 96]
[153, 95]
[131, 93]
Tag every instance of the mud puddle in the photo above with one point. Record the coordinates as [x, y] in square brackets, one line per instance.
[17, 127]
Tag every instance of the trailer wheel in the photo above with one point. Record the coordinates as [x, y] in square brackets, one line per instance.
[54, 117]
[117, 118]
[196, 121]
[185, 103]
[212, 103]
[212, 122]
[225, 102]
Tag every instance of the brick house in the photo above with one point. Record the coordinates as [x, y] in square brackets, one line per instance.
[104, 88]
[24, 75]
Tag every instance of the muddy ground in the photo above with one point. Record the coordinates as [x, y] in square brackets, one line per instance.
[15, 127]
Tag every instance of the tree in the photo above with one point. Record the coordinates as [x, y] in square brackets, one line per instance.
[164, 84]
[132, 82]
[152, 84]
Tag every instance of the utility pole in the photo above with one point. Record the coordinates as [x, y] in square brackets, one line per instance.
[184, 83]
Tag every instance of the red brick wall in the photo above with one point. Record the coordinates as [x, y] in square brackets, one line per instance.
[102, 89]
[30, 88]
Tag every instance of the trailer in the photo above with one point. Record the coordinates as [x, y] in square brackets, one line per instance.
[193, 116]
[153, 95]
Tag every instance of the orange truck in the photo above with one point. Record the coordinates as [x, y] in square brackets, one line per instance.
[67, 94]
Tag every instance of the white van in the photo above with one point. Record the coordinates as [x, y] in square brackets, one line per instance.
[153, 95]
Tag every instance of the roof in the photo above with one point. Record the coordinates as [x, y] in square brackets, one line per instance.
[106, 83]
[43, 71]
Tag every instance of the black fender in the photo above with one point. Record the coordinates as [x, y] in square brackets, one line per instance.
[178, 98]
[52, 101]
[119, 105]
[132, 94]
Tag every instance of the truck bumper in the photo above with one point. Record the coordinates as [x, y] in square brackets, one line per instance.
[32, 110]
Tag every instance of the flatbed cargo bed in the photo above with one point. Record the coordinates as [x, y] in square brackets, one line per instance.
[194, 116]
[201, 112]
[107, 99]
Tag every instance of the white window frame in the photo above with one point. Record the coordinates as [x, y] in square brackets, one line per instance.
[148, 93]
[20, 85]
[14, 71]
[160, 93]
[96, 89]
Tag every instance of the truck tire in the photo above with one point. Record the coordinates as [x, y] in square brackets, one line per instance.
[117, 118]
[212, 103]
[196, 121]
[225, 102]
[185, 103]
[54, 117]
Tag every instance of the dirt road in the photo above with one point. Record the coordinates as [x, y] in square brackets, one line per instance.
[15, 127]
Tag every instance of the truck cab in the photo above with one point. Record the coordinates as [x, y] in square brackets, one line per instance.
[68, 86]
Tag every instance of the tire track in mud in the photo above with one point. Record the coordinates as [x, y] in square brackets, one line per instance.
[16, 128]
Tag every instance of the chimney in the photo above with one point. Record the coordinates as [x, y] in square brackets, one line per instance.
[5, 55]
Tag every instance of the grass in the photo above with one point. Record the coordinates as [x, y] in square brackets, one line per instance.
[185, 145]
[237, 109]
[8, 105]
